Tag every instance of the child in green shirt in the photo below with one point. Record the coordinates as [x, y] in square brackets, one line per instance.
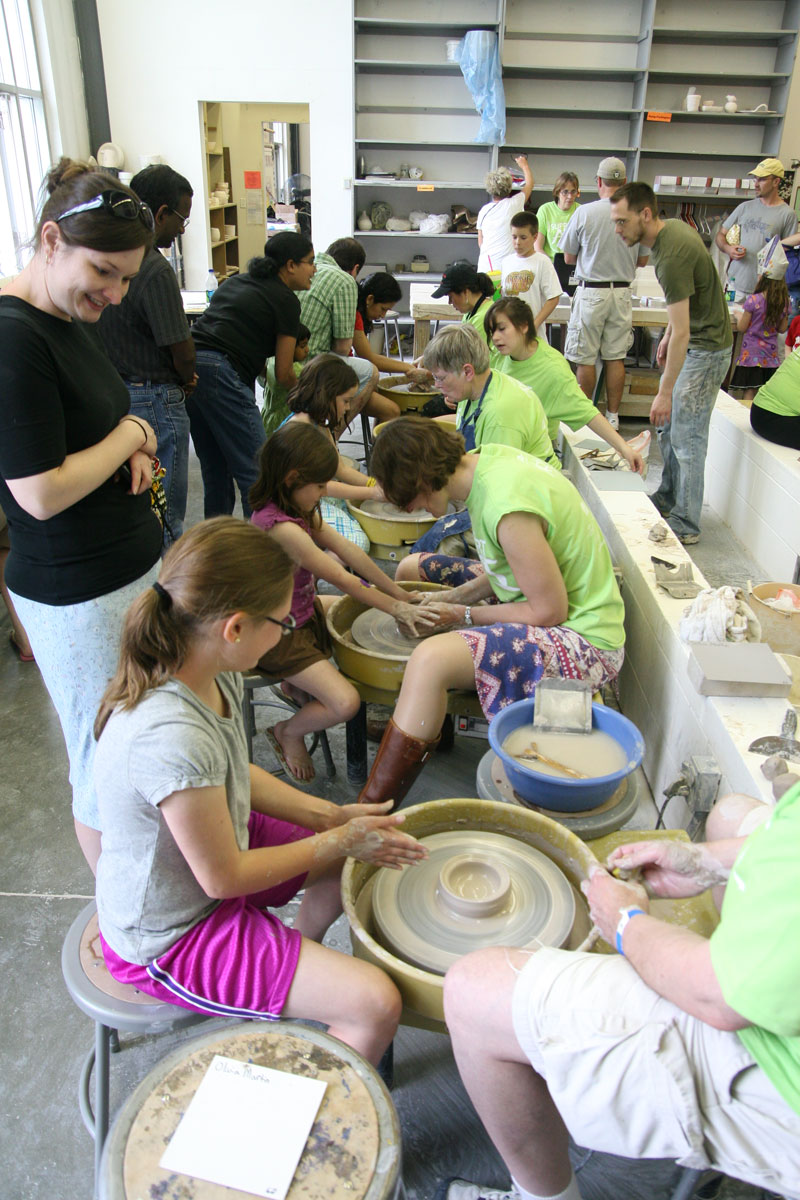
[276, 409]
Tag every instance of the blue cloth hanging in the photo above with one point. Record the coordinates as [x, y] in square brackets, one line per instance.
[480, 65]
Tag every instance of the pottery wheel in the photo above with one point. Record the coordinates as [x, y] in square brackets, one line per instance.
[378, 631]
[414, 389]
[390, 512]
[475, 889]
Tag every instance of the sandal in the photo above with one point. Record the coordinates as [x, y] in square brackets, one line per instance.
[280, 754]
[15, 646]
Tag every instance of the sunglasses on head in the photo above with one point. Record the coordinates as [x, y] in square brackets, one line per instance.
[119, 204]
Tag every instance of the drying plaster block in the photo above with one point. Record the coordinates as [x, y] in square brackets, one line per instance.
[738, 669]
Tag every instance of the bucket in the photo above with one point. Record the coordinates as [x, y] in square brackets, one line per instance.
[363, 1164]
[779, 630]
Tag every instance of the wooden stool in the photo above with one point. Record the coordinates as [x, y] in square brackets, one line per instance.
[254, 680]
[112, 1006]
[353, 1149]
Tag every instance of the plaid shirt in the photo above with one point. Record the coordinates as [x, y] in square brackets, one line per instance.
[328, 308]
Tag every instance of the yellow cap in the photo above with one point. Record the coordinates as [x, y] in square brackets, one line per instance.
[768, 166]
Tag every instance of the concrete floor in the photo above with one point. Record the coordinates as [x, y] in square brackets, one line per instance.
[45, 1152]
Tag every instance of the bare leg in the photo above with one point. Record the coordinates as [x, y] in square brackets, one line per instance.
[510, 1098]
[381, 408]
[735, 815]
[321, 903]
[615, 383]
[587, 378]
[437, 665]
[356, 1000]
[334, 700]
[362, 400]
[18, 629]
[408, 568]
[89, 842]
[749, 395]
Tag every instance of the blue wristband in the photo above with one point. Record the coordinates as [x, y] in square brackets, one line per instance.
[624, 917]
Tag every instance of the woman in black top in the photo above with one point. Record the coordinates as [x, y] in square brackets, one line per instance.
[75, 467]
[251, 318]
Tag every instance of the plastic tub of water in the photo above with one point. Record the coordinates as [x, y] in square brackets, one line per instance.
[552, 791]
[780, 630]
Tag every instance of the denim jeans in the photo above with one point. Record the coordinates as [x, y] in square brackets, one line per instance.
[684, 439]
[227, 433]
[164, 406]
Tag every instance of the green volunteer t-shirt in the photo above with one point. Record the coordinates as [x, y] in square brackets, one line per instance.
[755, 949]
[476, 319]
[548, 374]
[509, 415]
[276, 408]
[781, 393]
[685, 271]
[509, 481]
[552, 223]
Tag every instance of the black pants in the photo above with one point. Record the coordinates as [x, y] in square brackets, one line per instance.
[784, 431]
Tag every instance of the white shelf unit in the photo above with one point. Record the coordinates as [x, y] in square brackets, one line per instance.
[580, 81]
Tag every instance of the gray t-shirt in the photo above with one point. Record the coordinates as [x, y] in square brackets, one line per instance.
[759, 223]
[147, 896]
[602, 255]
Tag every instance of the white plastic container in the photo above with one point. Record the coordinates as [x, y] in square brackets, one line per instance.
[211, 285]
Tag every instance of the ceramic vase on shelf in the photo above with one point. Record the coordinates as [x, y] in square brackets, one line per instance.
[731, 105]
[364, 222]
[692, 101]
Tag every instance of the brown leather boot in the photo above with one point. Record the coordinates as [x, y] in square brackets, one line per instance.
[399, 760]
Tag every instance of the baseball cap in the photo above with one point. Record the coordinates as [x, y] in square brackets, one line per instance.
[457, 277]
[768, 166]
[611, 168]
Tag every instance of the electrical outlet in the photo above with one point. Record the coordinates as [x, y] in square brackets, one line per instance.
[703, 778]
[348, 183]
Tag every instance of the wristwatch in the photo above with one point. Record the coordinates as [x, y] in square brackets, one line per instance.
[468, 616]
[625, 915]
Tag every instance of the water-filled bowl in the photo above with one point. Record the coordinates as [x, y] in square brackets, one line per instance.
[551, 791]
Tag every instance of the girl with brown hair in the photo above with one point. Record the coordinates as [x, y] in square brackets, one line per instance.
[198, 844]
[75, 465]
[296, 465]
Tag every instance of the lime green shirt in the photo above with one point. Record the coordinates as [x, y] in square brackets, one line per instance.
[548, 374]
[508, 481]
[755, 950]
[781, 393]
[276, 409]
[477, 318]
[510, 415]
[552, 223]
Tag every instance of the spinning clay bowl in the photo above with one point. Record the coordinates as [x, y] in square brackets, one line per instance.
[551, 791]
[390, 529]
[409, 397]
[422, 989]
[379, 669]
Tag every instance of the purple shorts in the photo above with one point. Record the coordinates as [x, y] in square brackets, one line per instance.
[237, 962]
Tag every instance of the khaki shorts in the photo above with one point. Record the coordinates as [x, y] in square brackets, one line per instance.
[600, 322]
[632, 1074]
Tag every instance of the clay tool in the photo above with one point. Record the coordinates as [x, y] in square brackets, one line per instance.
[785, 744]
[676, 579]
[533, 753]
[562, 706]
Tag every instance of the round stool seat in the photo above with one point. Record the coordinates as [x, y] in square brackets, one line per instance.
[492, 784]
[103, 998]
[354, 1146]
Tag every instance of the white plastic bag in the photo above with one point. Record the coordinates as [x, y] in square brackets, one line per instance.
[435, 223]
[772, 259]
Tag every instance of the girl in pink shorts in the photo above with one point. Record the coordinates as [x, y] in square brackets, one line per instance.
[197, 842]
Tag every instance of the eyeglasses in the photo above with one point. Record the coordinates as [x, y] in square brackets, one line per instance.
[119, 204]
[288, 626]
[183, 220]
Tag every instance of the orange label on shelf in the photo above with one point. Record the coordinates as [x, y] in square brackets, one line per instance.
[659, 116]
[425, 187]
[252, 180]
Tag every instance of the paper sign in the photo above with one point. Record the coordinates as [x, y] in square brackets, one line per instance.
[252, 179]
[659, 116]
[425, 187]
[245, 1127]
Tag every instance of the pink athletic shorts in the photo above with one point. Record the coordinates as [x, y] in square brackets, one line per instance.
[238, 962]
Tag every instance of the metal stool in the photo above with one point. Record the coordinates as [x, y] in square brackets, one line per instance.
[112, 1006]
[254, 680]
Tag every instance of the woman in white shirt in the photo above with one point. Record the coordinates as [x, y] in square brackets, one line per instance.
[494, 228]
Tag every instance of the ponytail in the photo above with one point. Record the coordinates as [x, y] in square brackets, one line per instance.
[218, 567]
[278, 251]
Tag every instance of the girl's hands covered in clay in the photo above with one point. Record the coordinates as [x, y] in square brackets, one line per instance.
[375, 839]
[442, 616]
[413, 620]
[670, 868]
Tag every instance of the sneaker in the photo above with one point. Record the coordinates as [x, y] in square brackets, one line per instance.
[613, 419]
[462, 1189]
[688, 539]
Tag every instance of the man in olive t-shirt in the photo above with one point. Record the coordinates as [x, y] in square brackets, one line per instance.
[694, 353]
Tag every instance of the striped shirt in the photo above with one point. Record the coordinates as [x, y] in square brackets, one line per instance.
[138, 333]
[328, 308]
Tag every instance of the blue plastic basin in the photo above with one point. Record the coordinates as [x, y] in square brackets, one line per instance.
[550, 791]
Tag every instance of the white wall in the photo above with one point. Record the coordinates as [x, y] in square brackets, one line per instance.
[161, 60]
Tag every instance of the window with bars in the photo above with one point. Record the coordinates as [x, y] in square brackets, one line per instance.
[24, 153]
